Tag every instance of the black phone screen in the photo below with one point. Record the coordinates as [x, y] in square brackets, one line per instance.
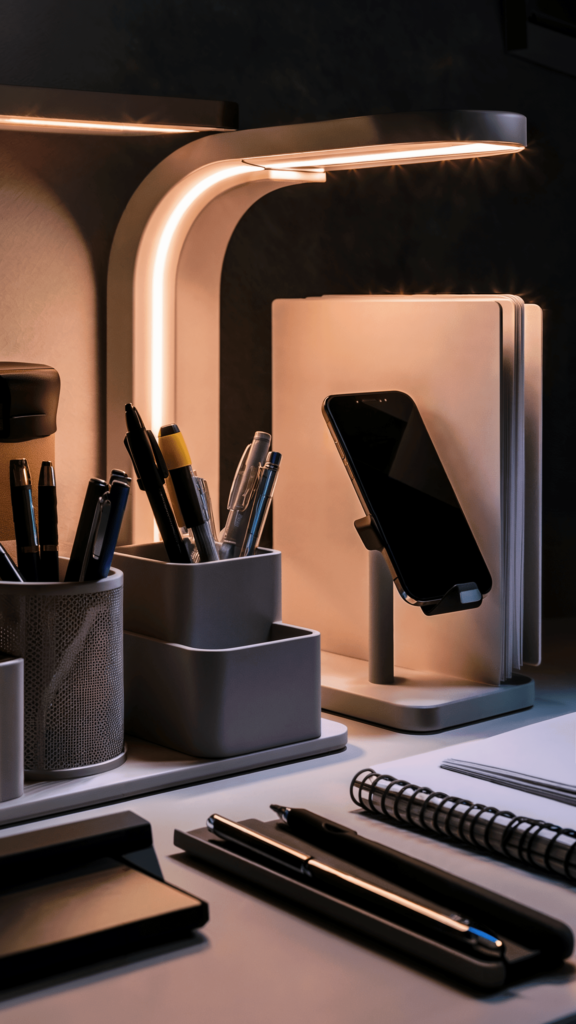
[407, 492]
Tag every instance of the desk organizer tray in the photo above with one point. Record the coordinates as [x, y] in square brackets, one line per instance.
[84, 892]
[519, 962]
[226, 702]
[208, 667]
[149, 769]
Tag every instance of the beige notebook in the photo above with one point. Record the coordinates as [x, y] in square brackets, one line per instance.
[461, 360]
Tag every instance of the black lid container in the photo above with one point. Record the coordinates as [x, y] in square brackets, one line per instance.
[29, 394]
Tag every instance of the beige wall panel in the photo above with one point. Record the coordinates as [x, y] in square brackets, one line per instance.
[48, 315]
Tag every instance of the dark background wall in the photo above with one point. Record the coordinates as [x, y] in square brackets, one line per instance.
[503, 225]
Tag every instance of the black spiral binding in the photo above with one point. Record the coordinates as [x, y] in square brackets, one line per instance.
[538, 844]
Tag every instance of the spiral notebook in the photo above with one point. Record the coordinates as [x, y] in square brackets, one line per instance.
[511, 795]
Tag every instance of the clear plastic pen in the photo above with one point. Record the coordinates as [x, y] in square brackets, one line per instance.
[242, 493]
[261, 504]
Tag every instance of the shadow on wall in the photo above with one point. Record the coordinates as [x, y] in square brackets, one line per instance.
[61, 197]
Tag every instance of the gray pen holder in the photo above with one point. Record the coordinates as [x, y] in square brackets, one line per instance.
[209, 670]
[205, 605]
[70, 637]
[222, 703]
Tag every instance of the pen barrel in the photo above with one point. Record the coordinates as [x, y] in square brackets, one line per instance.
[96, 488]
[47, 517]
[420, 917]
[194, 512]
[260, 509]
[164, 516]
[8, 571]
[207, 550]
[26, 533]
[99, 567]
[48, 534]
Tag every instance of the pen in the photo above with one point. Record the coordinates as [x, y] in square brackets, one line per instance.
[417, 915]
[261, 504]
[81, 547]
[189, 496]
[119, 474]
[241, 493]
[151, 471]
[24, 521]
[106, 538]
[48, 524]
[8, 571]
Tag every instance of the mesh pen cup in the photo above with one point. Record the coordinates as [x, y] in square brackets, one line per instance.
[70, 636]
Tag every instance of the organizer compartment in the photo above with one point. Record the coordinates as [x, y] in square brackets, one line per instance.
[228, 701]
[205, 605]
[70, 637]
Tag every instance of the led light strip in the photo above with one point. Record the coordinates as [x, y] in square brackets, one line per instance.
[52, 122]
[159, 290]
[355, 159]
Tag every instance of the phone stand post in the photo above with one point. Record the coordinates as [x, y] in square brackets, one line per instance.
[403, 698]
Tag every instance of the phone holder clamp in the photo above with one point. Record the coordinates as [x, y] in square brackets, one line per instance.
[460, 597]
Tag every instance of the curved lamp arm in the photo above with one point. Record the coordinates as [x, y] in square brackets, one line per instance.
[167, 255]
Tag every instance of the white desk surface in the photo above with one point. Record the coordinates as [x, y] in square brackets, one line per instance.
[260, 960]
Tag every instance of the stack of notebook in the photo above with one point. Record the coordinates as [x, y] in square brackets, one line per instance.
[472, 364]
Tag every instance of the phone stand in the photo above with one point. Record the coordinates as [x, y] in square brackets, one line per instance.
[403, 698]
[460, 597]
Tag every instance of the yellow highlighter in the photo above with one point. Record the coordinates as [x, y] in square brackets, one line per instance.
[191, 507]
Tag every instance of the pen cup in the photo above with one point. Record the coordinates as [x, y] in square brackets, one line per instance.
[210, 670]
[70, 636]
[204, 605]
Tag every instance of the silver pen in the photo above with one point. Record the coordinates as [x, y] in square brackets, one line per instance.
[261, 504]
[242, 493]
[356, 890]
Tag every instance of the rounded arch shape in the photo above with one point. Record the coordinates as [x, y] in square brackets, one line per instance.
[167, 255]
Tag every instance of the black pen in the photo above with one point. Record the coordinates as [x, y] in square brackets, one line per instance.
[48, 524]
[82, 540]
[27, 549]
[119, 474]
[261, 504]
[190, 497]
[8, 570]
[419, 916]
[113, 508]
[151, 471]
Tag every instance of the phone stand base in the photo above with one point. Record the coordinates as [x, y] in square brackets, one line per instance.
[417, 701]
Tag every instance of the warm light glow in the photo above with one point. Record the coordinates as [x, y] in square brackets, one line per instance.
[383, 155]
[161, 293]
[56, 123]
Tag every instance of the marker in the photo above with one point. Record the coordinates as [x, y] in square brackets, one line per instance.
[189, 494]
[151, 471]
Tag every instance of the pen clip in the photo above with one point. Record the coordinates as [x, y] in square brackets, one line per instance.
[96, 520]
[159, 458]
[102, 527]
[133, 460]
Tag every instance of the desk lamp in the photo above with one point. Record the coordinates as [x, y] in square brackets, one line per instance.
[169, 247]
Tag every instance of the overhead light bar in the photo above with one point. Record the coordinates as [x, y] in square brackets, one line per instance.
[102, 113]
[379, 156]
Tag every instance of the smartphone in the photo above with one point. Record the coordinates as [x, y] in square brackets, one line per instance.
[403, 487]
